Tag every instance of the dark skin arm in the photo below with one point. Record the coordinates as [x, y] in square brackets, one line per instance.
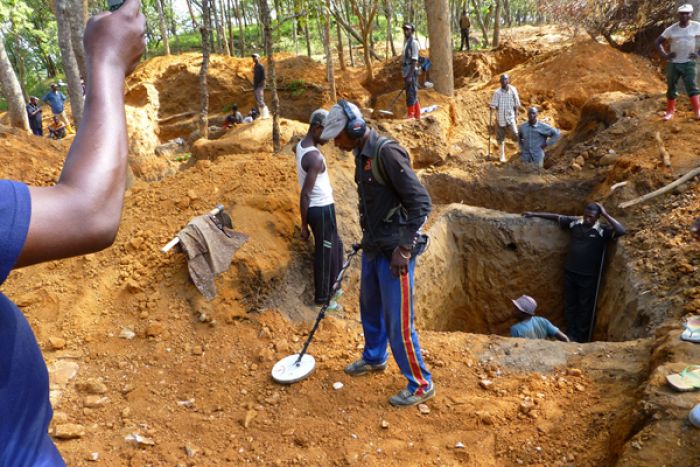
[543, 215]
[312, 163]
[81, 213]
[662, 50]
[617, 227]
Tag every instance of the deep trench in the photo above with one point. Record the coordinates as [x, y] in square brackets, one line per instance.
[479, 259]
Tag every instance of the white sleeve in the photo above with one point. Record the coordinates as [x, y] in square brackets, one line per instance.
[414, 52]
[494, 100]
[667, 32]
[517, 97]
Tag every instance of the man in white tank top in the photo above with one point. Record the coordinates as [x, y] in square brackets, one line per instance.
[317, 208]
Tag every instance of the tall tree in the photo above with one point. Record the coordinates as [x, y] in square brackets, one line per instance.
[389, 13]
[365, 10]
[12, 90]
[341, 58]
[267, 34]
[70, 65]
[497, 25]
[204, 72]
[440, 34]
[327, 48]
[76, 15]
[163, 27]
[240, 18]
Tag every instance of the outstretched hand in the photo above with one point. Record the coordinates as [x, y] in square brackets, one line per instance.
[603, 212]
[117, 39]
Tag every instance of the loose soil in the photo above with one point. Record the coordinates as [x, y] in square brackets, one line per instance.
[195, 378]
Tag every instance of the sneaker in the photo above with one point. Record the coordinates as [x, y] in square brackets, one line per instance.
[360, 367]
[406, 398]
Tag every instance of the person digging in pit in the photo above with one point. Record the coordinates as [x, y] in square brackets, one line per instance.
[234, 118]
[681, 59]
[506, 103]
[534, 136]
[583, 267]
[317, 209]
[393, 207]
[531, 326]
[78, 215]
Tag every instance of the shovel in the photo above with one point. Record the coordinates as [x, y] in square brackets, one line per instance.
[391, 104]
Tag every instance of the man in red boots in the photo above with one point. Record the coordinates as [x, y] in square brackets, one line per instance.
[409, 71]
[681, 59]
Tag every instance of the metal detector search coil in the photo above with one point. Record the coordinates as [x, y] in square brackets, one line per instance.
[293, 368]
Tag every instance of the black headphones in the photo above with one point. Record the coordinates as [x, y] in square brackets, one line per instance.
[356, 126]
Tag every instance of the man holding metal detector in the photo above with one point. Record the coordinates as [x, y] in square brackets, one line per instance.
[393, 207]
[584, 265]
[79, 215]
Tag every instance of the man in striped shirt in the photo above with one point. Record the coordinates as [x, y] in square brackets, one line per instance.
[505, 102]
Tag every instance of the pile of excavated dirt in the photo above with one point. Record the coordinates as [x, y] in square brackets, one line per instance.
[193, 379]
[563, 80]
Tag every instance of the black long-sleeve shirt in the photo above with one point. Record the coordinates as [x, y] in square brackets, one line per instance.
[382, 229]
[258, 75]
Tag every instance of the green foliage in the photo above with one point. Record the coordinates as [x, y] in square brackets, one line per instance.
[297, 87]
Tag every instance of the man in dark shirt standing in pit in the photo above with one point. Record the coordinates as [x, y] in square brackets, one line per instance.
[259, 86]
[589, 239]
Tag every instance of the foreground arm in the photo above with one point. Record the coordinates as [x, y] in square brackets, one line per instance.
[81, 213]
[561, 336]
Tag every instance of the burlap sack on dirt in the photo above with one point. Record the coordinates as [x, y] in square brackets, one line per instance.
[209, 251]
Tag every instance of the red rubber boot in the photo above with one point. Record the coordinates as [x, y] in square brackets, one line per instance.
[695, 100]
[416, 110]
[409, 112]
[670, 109]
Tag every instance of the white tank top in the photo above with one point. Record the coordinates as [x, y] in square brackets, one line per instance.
[322, 192]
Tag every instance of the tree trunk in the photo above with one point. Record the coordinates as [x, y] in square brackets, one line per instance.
[12, 90]
[410, 13]
[341, 55]
[163, 27]
[327, 48]
[366, 22]
[265, 16]
[215, 27]
[388, 12]
[497, 25]
[222, 29]
[229, 26]
[480, 21]
[440, 34]
[70, 65]
[241, 30]
[74, 11]
[203, 72]
[306, 34]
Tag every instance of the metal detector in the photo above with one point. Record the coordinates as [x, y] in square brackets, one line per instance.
[388, 111]
[297, 367]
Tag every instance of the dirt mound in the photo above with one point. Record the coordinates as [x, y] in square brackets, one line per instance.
[562, 81]
[248, 138]
[30, 159]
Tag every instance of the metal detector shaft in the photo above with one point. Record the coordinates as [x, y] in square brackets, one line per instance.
[597, 291]
[336, 285]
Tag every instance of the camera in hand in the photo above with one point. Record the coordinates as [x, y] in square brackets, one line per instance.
[113, 5]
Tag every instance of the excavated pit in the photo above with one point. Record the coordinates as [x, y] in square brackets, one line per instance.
[479, 259]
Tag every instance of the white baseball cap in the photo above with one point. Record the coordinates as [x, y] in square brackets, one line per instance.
[255, 56]
[526, 304]
[337, 120]
[685, 8]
